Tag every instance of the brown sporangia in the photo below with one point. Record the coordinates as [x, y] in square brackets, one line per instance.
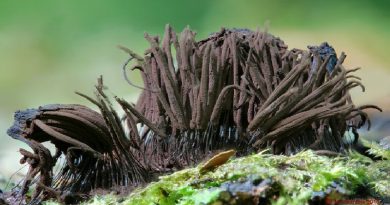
[97, 152]
[237, 89]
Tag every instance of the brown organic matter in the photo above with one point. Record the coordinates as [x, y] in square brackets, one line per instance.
[237, 89]
[217, 160]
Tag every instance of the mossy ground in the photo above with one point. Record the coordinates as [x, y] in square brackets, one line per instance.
[296, 179]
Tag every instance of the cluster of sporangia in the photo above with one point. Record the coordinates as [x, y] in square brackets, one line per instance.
[237, 89]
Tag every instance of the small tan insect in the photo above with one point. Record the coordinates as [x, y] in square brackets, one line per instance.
[217, 160]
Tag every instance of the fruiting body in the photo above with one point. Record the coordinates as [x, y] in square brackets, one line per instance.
[245, 90]
[236, 89]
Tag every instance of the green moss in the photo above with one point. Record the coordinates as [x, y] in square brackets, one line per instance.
[301, 176]
[298, 177]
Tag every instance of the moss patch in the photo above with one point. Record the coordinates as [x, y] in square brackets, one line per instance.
[295, 179]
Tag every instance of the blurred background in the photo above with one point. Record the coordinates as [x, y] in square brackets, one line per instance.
[49, 49]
